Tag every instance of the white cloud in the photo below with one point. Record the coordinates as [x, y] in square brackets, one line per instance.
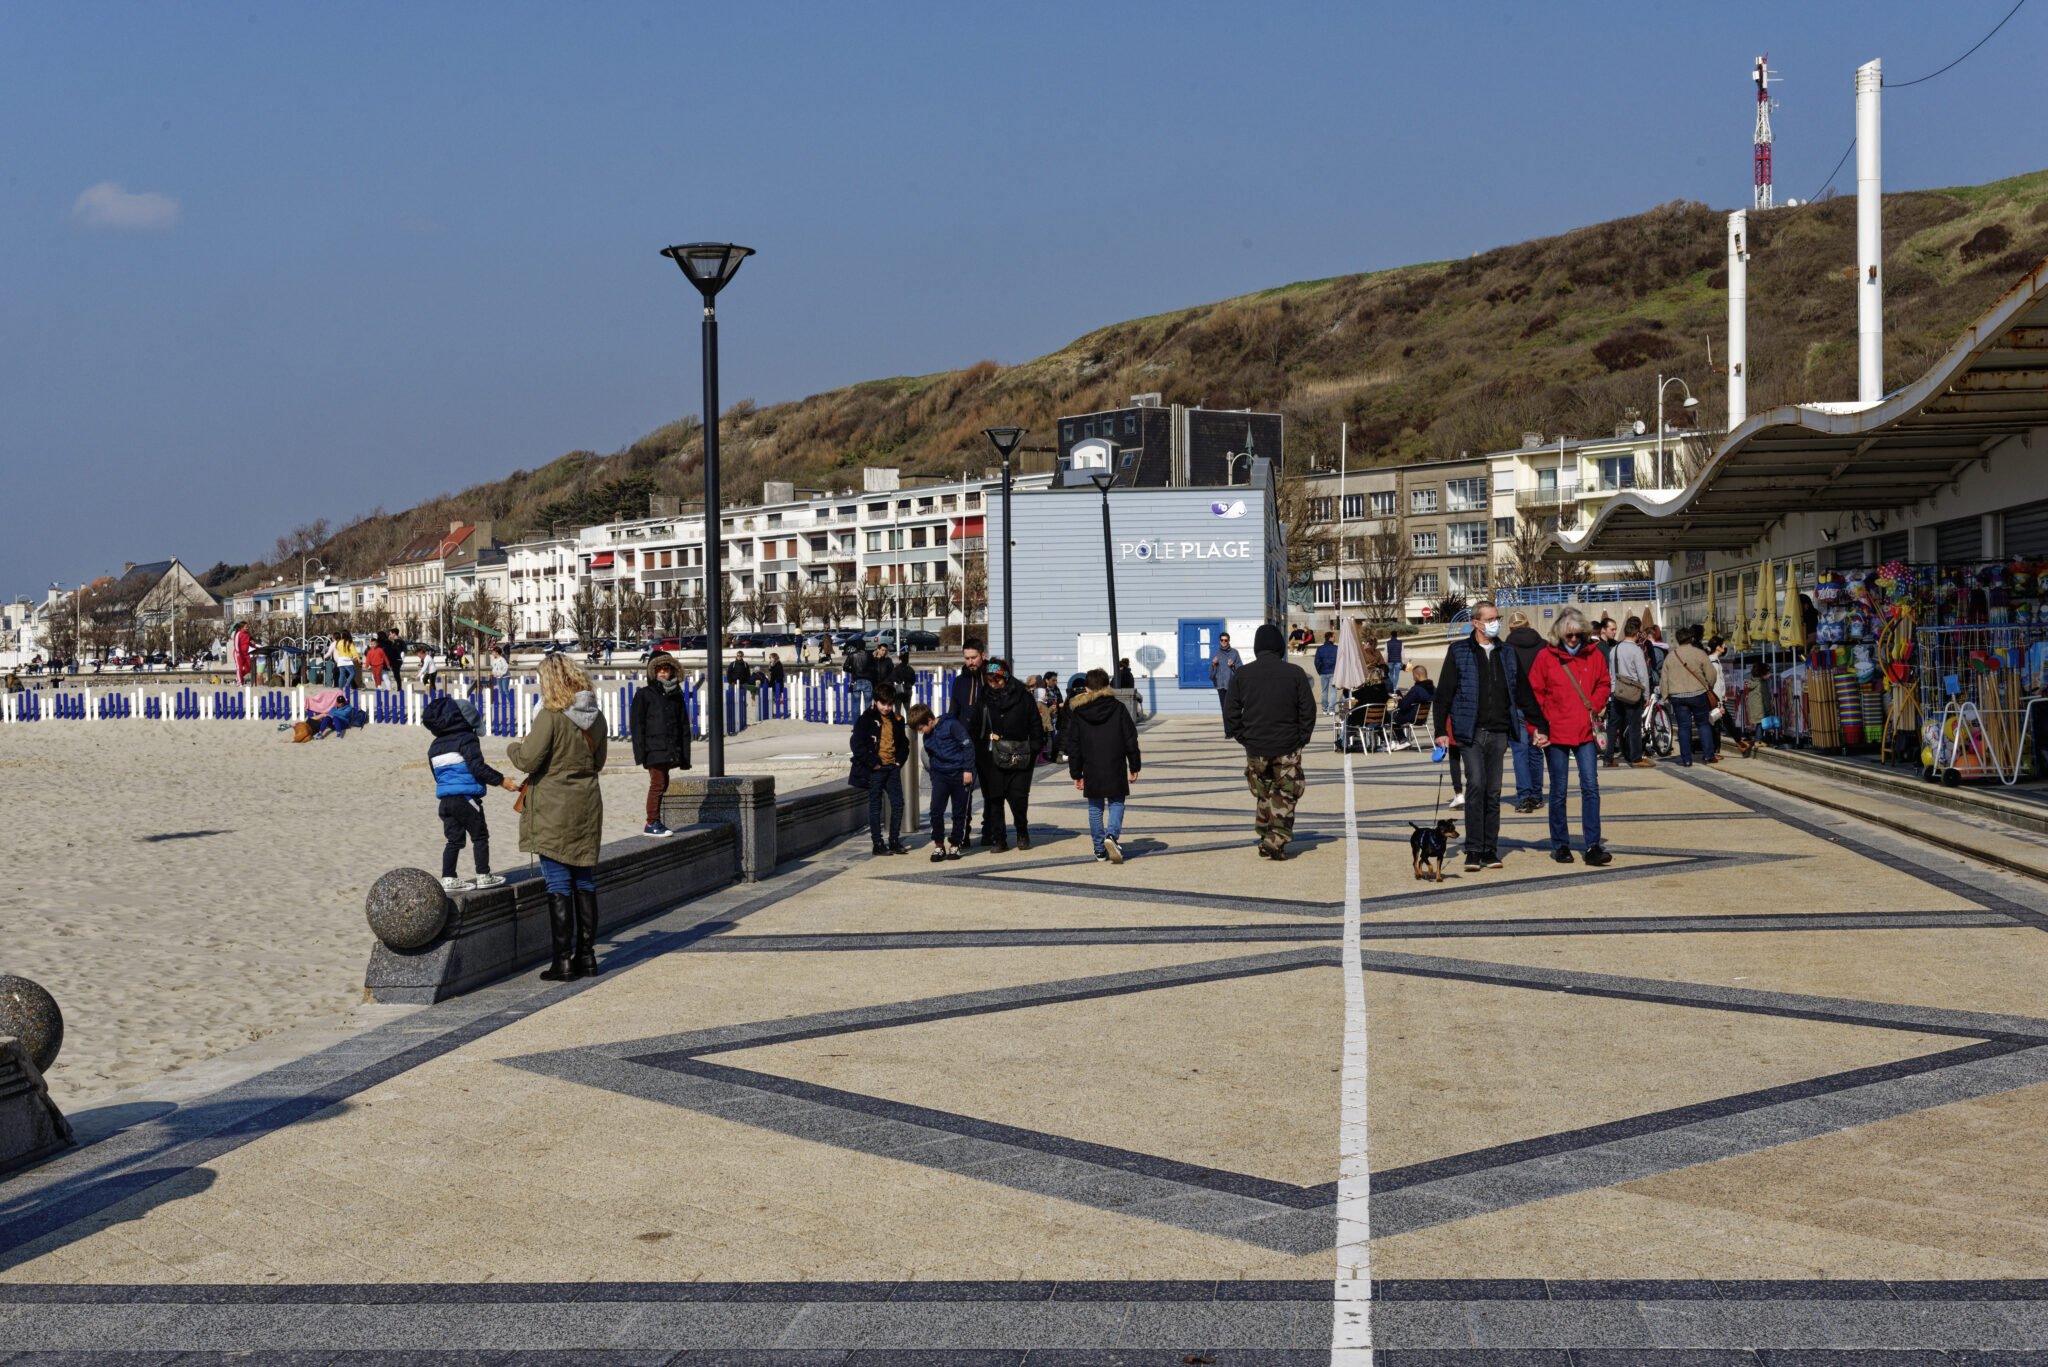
[107, 205]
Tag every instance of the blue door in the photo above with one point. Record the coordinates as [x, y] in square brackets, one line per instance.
[1197, 648]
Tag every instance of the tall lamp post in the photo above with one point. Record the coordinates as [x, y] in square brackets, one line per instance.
[708, 266]
[1103, 480]
[1005, 440]
[1690, 402]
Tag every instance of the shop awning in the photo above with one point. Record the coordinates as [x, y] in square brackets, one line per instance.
[601, 561]
[1993, 384]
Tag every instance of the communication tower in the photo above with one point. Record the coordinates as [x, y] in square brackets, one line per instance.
[1763, 73]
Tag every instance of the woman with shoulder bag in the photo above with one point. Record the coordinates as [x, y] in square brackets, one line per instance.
[561, 811]
[1016, 735]
[1571, 685]
[1688, 685]
[1630, 669]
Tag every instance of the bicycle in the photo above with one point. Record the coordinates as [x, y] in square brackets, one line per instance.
[1659, 737]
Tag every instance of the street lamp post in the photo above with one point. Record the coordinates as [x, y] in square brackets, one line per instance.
[1005, 440]
[709, 266]
[1103, 481]
[1690, 402]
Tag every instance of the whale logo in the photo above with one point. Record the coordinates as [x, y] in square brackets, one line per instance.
[1232, 509]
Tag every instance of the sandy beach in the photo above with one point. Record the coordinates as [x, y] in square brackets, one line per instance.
[185, 888]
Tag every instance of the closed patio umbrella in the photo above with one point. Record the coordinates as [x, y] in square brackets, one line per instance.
[1350, 661]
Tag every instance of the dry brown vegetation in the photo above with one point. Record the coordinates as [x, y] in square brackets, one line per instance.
[1561, 334]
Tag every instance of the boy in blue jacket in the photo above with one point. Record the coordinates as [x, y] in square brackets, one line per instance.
[460, 778]
[951, 752]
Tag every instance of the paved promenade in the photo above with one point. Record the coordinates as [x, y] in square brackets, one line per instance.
[1775, 1080]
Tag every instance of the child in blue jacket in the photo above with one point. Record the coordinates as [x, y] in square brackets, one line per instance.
[460, 779]
[950, 753]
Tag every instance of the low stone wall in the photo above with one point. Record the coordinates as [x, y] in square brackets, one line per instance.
[496, 931]
[743, 831]
[811, 818]
[31, 1126]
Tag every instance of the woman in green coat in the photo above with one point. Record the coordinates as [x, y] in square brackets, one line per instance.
[562, 820]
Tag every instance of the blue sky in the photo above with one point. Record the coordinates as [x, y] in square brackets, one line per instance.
[265, 264]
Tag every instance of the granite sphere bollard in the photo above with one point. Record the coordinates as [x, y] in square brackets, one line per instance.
[30, 1014]
[407, 908]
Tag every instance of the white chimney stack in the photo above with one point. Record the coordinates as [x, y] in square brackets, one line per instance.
[1738, 318]
[1869, 234]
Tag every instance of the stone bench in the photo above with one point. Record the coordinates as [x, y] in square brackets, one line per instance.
[726, 829]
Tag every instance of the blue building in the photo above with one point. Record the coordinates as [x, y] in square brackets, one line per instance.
[1192, 564]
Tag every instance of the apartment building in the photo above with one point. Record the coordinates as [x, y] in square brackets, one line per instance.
[415, 588]
[540, 582]
[1398, 539]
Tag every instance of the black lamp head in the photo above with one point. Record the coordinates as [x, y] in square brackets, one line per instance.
[1004, 439]
[1103, 479]
[708, 264]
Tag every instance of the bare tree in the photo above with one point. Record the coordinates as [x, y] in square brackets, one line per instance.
[970, 590]
[635, 612]
[1309, 537]
[1534, 559]
[1387, 566]
[588, 615]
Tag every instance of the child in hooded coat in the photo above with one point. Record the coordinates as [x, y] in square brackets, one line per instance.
[461, 778]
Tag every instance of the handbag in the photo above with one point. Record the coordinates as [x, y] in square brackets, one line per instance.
[1592, 717]
[1011, 755]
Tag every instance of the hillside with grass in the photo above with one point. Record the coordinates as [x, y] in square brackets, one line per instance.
[1558, 335]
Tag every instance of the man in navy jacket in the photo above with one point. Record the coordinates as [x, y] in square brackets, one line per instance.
[1326, 669]
[1476, 710]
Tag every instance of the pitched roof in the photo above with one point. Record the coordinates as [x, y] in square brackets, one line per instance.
[433, 545]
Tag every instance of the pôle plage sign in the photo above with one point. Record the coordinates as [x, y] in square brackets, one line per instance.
[1162, 550]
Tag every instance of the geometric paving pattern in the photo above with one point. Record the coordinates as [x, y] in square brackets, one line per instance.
[1498, 972]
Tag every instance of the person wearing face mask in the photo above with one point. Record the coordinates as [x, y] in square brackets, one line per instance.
[1571, 685]
[1476, 711]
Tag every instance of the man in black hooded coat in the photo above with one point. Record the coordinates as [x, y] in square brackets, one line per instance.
[1271, 711]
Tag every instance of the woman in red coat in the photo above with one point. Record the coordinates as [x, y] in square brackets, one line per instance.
[1571, 686]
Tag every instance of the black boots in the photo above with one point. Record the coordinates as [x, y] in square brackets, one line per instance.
[561, 932]
[585, 963]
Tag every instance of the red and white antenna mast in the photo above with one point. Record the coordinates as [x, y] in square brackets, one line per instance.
[1763, 74]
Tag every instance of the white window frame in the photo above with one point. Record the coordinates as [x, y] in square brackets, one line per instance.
[1421, 502]
[1422, 543]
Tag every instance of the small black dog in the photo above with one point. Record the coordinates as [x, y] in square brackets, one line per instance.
[1428, 844]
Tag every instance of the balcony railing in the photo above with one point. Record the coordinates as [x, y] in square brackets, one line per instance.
[1546, 496]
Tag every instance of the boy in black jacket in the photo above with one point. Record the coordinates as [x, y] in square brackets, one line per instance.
[880, 746]
[1102, 758]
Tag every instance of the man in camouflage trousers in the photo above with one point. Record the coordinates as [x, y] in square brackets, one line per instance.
[1271, 711]
[1277, 783]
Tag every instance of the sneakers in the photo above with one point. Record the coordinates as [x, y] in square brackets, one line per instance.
[897, 847]
[1644, 763]
[999, 846]
[1102, 856]
[879, 849]
[1278, 856]
[655, 828]
[1115, 853]
[1457, 800]
[1561, 855]
[938, 854]
[1529, 804]
[1473, 863]
[952, 851]
[456, 885]
[1493, 862]
[489, 880]
[1024, 840]
[1598, 857]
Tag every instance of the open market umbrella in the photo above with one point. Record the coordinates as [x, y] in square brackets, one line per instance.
[1350, 660]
